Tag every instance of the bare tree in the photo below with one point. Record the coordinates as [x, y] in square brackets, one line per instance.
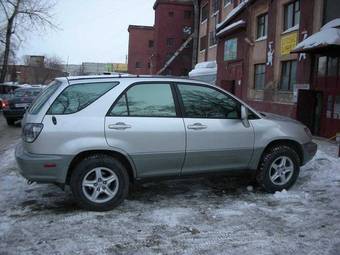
[21, 16]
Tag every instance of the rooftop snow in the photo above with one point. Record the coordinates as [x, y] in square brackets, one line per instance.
[234, 12]
[230, 27]
[328, 35]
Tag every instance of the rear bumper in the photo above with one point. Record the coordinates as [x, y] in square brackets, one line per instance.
[14, 114]
[309, 151]
[42, 168]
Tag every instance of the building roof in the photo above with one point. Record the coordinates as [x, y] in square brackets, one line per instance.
[181, 2]
[140, 27]
[328, 38]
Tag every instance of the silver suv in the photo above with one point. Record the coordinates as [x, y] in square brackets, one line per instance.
[98, 134]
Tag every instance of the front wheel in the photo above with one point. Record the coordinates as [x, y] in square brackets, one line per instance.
[99, 183]
[278, 169]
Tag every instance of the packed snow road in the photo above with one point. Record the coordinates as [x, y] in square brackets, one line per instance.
[215, 215]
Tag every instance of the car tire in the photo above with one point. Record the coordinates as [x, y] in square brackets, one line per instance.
[91, 186]
[10, 122]
[278, 169]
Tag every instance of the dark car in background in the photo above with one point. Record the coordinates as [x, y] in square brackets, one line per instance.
[15, 108]
[6, 93]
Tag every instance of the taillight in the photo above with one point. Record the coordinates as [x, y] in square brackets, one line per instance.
[5, 104]
[31, 131]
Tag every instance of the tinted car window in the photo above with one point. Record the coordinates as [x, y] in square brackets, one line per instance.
[26, 92]
[206, 102]
[40, 101]
[76, 97]
[146, 100]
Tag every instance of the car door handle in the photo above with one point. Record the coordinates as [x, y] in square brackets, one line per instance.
[119, 126]
[197, 126]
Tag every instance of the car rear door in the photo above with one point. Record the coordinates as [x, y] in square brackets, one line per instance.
[216, 138]
[144, 123]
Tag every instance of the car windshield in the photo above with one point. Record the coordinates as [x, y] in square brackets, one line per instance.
[40, 101]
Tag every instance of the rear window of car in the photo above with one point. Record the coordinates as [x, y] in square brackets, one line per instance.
[26, 92]
[40, 101]
[77, 97]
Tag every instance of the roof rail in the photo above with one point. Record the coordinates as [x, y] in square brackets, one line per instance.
[125, 76]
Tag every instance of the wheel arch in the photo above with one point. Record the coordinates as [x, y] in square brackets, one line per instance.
[123, 158]
[296, 146]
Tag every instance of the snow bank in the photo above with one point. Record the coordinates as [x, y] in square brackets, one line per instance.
[204, 68]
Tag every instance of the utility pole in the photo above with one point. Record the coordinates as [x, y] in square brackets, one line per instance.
[195, 33]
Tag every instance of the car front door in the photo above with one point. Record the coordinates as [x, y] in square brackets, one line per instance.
[144, 123]
[216, 137]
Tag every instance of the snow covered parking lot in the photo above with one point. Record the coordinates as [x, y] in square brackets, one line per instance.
[215, 215]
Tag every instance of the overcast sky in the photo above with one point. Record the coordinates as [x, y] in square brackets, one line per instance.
[90, 30]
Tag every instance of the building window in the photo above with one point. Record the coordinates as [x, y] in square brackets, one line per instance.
[292, 15]
[212, 38]
[204, 13]
[332, 67]
[171, 14]
[170, 42]
[187, 14]
[322, 66]
[227, 2]
[149, 65]
[260, 71]
[288, 75]
[262, 26]
[215, 6]
[151, 43]
[336, 112]
[138, 64]
[203, 43]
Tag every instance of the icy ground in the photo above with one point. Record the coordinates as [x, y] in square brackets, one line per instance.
[193, 216]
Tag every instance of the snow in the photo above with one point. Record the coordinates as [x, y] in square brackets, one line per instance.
[204, 68]
[205, 215]
[230, 27]
[233, 13]
[291, 29]
[328, 35]
[335, 23]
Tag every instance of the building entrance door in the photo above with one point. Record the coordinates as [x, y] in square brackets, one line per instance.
[309, 109]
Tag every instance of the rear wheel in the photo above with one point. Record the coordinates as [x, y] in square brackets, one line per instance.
[10, 122]
[279, 168]
[99, 183]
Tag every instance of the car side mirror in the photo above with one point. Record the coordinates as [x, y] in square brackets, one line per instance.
[244, 116]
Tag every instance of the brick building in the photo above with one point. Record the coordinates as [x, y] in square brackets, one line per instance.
[141, 47]
[255, 43]
[150, 48]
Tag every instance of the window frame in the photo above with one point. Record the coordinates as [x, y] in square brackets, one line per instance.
[285, 18]
[76, 84]
[265, 26]
[124, 93]
[290, 85]
[182, 108]
[257, 74]
[207, 13]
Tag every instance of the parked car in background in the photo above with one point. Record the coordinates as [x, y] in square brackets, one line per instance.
[6, 92]
[98, 134]
[15, 107]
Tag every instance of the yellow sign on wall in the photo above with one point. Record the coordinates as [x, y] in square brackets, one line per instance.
[288, 43]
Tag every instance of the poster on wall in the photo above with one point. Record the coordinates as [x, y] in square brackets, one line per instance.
[230, 49]
[288, 43]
